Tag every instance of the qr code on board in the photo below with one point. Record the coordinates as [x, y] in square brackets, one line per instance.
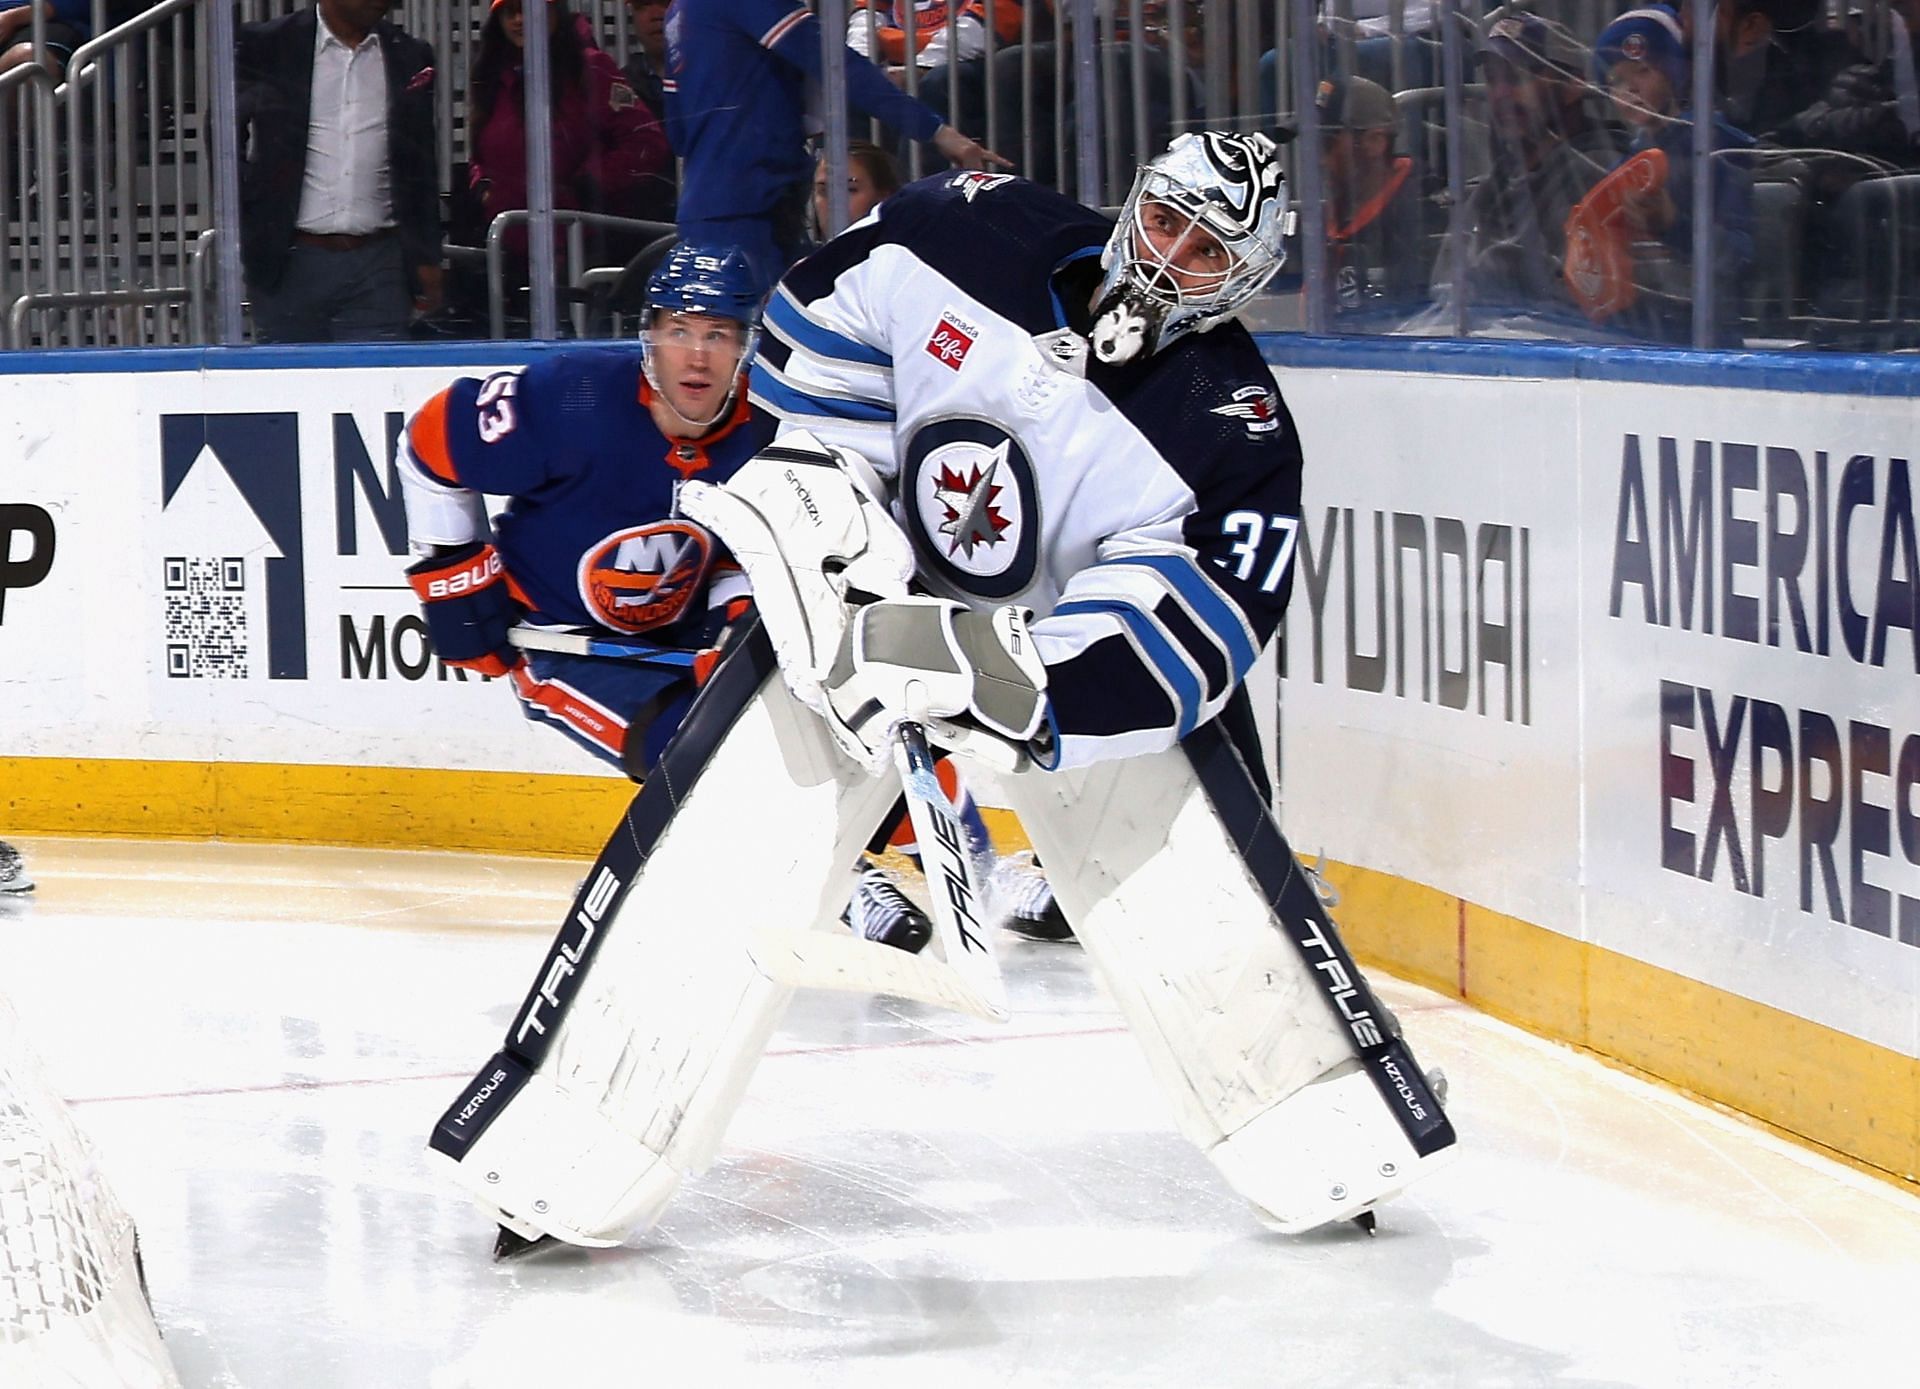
[206, 618]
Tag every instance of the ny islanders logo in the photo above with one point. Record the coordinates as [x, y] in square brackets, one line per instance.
[645, 576]
[972, 507]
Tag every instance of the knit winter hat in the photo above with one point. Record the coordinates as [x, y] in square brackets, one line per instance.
[1649, 35]
[1353, 103]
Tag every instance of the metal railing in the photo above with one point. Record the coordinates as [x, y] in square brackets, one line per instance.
[580, 276]
[108, 187]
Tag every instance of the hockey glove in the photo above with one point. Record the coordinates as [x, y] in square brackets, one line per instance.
[805, 525]
[931, 658]
[464, 598]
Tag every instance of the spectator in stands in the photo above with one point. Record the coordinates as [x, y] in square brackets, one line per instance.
[1771, 61]
[950, 48]
[1642, 59]
[872, 178]
[1550, 144]
[1163, 53]
[339, 189]
[877, 31]
[69, 24]
[1367, 26]
[1377, 216]
[609, 151]
[736, 70]
[647, 60]
[1872, 109]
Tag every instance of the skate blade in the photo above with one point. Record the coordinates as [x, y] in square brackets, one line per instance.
[508, 1246]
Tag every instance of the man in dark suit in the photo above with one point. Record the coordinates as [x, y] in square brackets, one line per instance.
[339, 193]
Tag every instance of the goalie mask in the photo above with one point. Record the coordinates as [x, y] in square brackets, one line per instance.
[1200, 234]
[710, 281]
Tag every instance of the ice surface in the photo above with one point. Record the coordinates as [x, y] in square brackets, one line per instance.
[260, 1038]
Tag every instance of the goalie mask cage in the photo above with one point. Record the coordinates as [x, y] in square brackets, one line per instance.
[73, 1308]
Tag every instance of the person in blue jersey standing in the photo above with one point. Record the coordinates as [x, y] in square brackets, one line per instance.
[736, 115]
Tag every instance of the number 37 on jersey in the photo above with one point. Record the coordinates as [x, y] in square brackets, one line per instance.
[1262, 547]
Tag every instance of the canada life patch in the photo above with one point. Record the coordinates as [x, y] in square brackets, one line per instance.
[643, 577]
[1257, 407]
[953, 337]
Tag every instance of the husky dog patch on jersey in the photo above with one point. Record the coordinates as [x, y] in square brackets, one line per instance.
[953, 337]
[645, 576]
[972, 510]
[1258, 407]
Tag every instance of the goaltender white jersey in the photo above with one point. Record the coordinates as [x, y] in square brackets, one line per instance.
[1147, 513]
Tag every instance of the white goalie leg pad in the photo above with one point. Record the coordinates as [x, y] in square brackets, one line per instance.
[641, 1074]
[1236, 1024]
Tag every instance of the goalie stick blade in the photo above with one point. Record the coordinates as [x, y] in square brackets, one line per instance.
[823, 960]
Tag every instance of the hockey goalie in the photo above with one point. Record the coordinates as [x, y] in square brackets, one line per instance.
[1035, 492]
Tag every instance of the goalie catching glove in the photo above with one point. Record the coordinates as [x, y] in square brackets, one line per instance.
[468, 610]
[934, 659]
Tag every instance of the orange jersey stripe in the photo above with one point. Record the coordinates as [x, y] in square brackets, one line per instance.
[427, 437]
[599, 726]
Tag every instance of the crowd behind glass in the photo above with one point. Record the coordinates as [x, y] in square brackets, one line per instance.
[1532, 170]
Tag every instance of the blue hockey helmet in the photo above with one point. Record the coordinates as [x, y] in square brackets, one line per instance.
[714, 280]
[706, 279]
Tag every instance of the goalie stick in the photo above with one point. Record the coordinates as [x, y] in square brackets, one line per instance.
[966, 975]
[956, 894]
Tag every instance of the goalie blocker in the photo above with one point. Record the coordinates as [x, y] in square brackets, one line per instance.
[627, 1059]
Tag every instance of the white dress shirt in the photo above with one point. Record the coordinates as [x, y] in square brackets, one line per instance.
[348, 186]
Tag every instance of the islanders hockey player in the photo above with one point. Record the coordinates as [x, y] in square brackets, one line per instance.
[1035, 491]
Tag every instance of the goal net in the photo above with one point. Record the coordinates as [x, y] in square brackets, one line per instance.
[73, 1308]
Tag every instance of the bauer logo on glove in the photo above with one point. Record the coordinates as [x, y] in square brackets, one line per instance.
[468, 608]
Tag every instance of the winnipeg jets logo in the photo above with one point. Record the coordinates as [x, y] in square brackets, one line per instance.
[972, 185]
[1257, 406]
[971, 506]
[971, 517]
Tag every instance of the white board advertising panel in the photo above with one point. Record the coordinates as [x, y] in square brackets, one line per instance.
[227, 581]
[1753, 698]
[1430, 702]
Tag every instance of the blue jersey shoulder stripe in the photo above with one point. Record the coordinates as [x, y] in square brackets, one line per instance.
[784, 399]
[1157, 648]
[1207, 602]
[786, 319]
